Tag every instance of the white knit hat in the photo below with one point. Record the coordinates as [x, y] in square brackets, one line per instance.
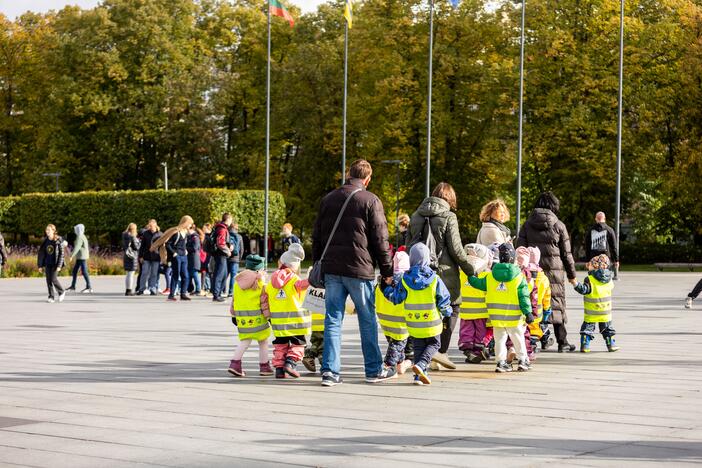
[293, 256]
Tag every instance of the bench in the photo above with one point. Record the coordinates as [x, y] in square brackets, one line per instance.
[689, 266]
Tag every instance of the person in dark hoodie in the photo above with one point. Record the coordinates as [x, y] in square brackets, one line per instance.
[51, 261]
[150, 261]
[130, 246]
[544, 230]
[427, 301]
[601, 239]
[448, 249]
[597, 289]
[508, 299]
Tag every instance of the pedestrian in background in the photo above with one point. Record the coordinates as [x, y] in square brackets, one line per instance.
[80, 256]
[130, 258]
[51, 260]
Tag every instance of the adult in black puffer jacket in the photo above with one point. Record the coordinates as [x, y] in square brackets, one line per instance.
[544, 230]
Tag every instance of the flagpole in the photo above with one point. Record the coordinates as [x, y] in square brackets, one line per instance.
[268, 141]
[619, 122]
[521, 119]
[346, 72]
[431, 50]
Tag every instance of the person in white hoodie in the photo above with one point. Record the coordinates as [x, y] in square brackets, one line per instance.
[80, 256]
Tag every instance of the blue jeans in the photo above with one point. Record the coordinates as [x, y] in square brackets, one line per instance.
[179, 275]
[220, 275]
[195, 277]
[233, 268]
[83, 266]
[149, 276]
[362, 294]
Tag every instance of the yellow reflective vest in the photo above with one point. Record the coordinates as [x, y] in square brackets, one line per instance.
[288, 318]
[246, 307]
[502, 299]
[598, 304]
[423, 317]
[391, 317]
[472, 299]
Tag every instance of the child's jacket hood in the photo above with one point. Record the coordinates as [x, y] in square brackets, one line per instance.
[248, 279]
[505, 271]
[281, 277]
[419, 277]
[603, 276]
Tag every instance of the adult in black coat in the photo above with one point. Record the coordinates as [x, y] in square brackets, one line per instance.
[544, 230]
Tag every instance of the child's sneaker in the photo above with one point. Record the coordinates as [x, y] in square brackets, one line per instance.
[289, 369]
[688, 302]
[330, 380]
[403, 366]
[547, 342]
[279, 373]
[611, 347]
[473, 358]
[422, 374]
[523, 365]
[503, 366]
[433, 366]
[235, 369]
[585, 343]
[417, 381]
[265, 368]
[511, 354]
[308, 362]
[443, 360]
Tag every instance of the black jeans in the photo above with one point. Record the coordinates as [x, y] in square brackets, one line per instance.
[52, 281]
[425, 349]
[561, 333]
[696, 291]
[449, 326]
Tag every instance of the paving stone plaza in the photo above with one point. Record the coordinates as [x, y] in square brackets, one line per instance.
[110, 381]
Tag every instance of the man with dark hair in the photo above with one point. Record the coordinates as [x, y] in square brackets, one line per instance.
[601, 239]
[358, 245]
[222, 253]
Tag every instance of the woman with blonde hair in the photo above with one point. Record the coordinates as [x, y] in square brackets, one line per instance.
[493, 216]
[130, 244]
[175, 242]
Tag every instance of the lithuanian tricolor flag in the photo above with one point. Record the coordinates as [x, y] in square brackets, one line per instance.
[278, 9]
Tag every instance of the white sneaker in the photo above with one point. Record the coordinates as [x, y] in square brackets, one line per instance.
[688, 303]
[50, 300]
[87, 291]
[62, 296]
[433, 366]
[443, 360]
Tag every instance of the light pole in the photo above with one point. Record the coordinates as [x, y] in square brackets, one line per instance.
[619, 126]
[521, 118]
[56, 175]
[431, 69]
[397, 203]
[165, 175]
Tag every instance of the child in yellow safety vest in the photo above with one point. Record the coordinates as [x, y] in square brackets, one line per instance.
[392, 319]
[539, 328]
[316, 346]
[523, 257]
[290, 322]
[426, 301]
[507, 299]
[597, 289]
[250, 314]
[474, 336]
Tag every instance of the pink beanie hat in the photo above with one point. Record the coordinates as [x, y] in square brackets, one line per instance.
[534, 258]
[401, 262]
[522, 257]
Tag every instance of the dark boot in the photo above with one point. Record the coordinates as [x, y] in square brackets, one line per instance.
[611, 347]
[566, 347]
[289, 368]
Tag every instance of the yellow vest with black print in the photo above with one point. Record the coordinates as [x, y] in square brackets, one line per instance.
[288, 318]
[503, 301]
[598, 304]
[246, 307]
[472, 299]
[391, 317]
[422, 316]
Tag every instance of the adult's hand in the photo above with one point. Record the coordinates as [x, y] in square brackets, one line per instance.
[573, 281]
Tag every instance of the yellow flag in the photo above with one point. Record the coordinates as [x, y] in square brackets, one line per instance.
[348, 12]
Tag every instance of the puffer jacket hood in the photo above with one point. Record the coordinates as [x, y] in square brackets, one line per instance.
[281, 277]
[433, 206]
[79, 229]
[419, 277]
[248, 279]
[543, 219]
[505, 271]
[603, 276]
[479, 264]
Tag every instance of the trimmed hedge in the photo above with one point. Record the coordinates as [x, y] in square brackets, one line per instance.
[649, 253]
[111, 212]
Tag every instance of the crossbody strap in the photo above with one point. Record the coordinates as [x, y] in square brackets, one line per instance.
[336, 223]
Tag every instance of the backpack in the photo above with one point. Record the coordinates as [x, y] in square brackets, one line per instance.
[210, 244]
[235, 245]
[429, 240]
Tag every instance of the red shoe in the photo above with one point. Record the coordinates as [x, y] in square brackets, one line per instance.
[235, 369]
[166, 291]
[265, 369]
[172, 299]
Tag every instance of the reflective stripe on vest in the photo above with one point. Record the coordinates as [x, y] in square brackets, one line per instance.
[288, 318]
[250, 321]
[422, 316]
[317, 322]
[391, 317]
[472, 299]
[598, 304]
[503, 301]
